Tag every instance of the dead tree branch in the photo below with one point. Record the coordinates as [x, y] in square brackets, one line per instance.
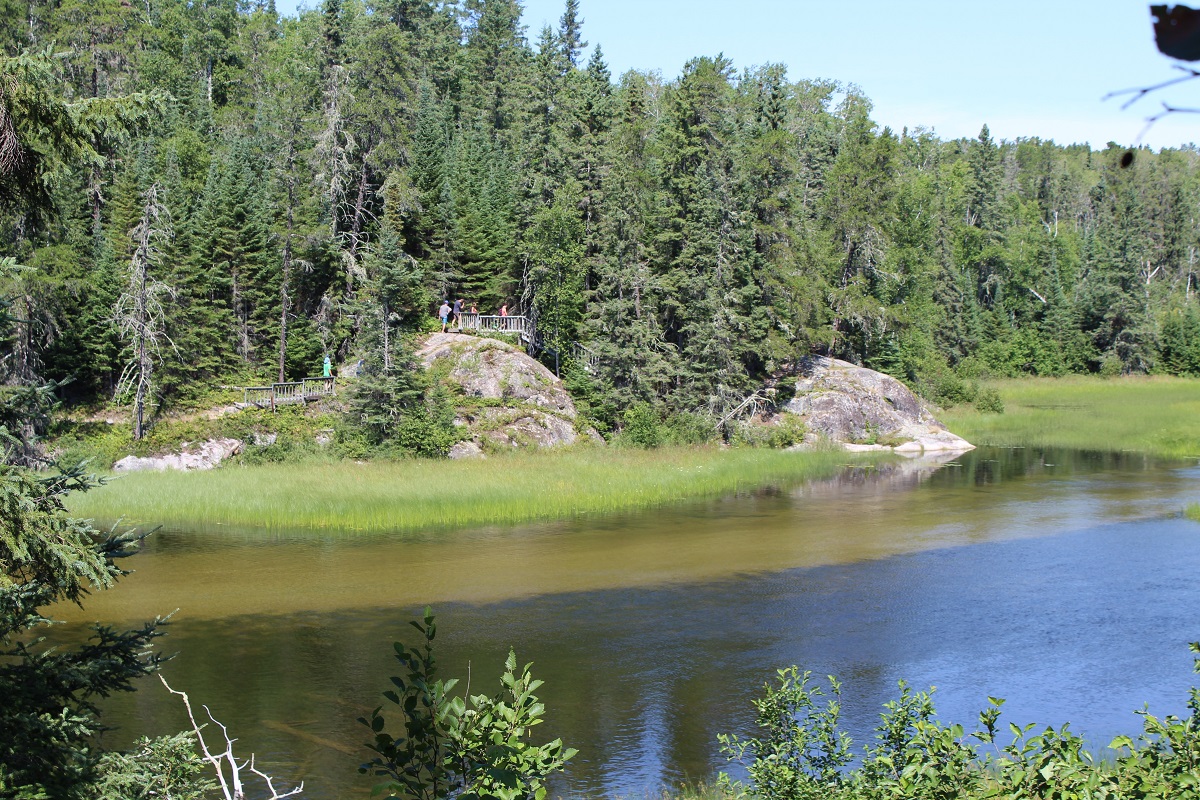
[231, 786]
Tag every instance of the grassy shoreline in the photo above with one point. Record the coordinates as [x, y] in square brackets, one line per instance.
[426, 494]
[1155, 415]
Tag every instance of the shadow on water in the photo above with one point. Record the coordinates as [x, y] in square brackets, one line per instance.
[1063, 581]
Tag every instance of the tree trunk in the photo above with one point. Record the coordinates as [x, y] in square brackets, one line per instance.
[387, 339]
[356, 224]
[243, 318]
[143, 358]
[285, 299]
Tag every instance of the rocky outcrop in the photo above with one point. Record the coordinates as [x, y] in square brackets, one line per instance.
[508, 399]
[205, 455]
[867, 410]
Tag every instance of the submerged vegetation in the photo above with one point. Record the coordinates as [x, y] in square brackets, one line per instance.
[1154, 415]
[423, 494]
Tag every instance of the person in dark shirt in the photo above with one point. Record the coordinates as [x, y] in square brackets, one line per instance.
[456, 313]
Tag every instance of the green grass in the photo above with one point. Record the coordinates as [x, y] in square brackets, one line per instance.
[425, 494]
[1192, 511]
[1156, 415]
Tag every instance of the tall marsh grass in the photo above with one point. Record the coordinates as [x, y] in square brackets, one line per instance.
[425, 494]
[1155, 415]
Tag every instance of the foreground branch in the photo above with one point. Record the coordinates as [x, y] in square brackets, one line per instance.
[231, 787]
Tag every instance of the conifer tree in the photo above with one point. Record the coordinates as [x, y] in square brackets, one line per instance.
[49, 716]
[637, 363]
[139, 313]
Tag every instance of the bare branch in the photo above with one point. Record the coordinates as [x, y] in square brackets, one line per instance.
[231, 787]
[270, 785]
[1139, 93]
[208, 756]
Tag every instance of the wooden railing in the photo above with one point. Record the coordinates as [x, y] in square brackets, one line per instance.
[524, 328]
[483, 322]
[301, 391]
[586, 356]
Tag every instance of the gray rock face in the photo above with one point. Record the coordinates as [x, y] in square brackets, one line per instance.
[205, 455]
[529, 406]
[466, 449]
[867, 410]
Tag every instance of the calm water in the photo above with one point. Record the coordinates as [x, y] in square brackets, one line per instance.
[1065, 582]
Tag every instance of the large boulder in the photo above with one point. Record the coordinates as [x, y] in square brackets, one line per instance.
[204, 455]
[867, 410]
[508, 398]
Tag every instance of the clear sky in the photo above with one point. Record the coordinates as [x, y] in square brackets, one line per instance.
[1024, 67]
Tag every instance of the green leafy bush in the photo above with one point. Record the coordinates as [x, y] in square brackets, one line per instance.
[645, 426]
[988, 401]
[801, 753]
[689, 427]
[945, 388]
[787, 430]
[472, 748]
[1111, 366]
[642, 427]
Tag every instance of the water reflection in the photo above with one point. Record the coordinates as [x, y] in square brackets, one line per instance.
[1057, 580]
[865, 514]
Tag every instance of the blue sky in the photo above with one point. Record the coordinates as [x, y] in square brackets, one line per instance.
[1024, 67]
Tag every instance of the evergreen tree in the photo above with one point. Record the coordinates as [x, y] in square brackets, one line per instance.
[637, 364]
[49, 717]
[139, 312]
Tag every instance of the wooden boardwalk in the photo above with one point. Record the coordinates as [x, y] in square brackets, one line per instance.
[524, 328]
[277, 394]
[312, 389]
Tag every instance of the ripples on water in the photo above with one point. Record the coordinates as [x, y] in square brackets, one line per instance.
[1062, 581]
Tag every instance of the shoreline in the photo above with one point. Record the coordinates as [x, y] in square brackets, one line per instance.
[421, 495]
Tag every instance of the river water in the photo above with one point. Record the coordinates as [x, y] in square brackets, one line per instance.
[1065, 582]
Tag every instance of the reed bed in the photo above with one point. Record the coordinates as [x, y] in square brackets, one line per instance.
[425, 494]
[1154, 415]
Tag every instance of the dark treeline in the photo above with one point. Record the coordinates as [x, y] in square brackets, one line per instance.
[320, 184]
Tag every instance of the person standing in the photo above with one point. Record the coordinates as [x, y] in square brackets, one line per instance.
[444, 313]
[456, 313]
[327, 369]
[504, 309]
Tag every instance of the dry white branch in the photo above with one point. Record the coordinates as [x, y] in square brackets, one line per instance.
[231, 786]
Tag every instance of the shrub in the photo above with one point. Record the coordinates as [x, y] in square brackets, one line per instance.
[470, 748]
[641, 427]
[801, 753]
[688, 427]
[945, 388]
[1111, 365]
[988, 401]
[645, 426]
[787, 430]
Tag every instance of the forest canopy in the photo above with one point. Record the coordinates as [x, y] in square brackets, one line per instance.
[323, 177]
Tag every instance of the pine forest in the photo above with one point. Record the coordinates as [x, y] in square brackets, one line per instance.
[292, 188]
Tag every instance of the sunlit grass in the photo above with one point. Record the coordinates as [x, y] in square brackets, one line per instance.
[425, 494]
[1192, 511]
[1157, 415]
